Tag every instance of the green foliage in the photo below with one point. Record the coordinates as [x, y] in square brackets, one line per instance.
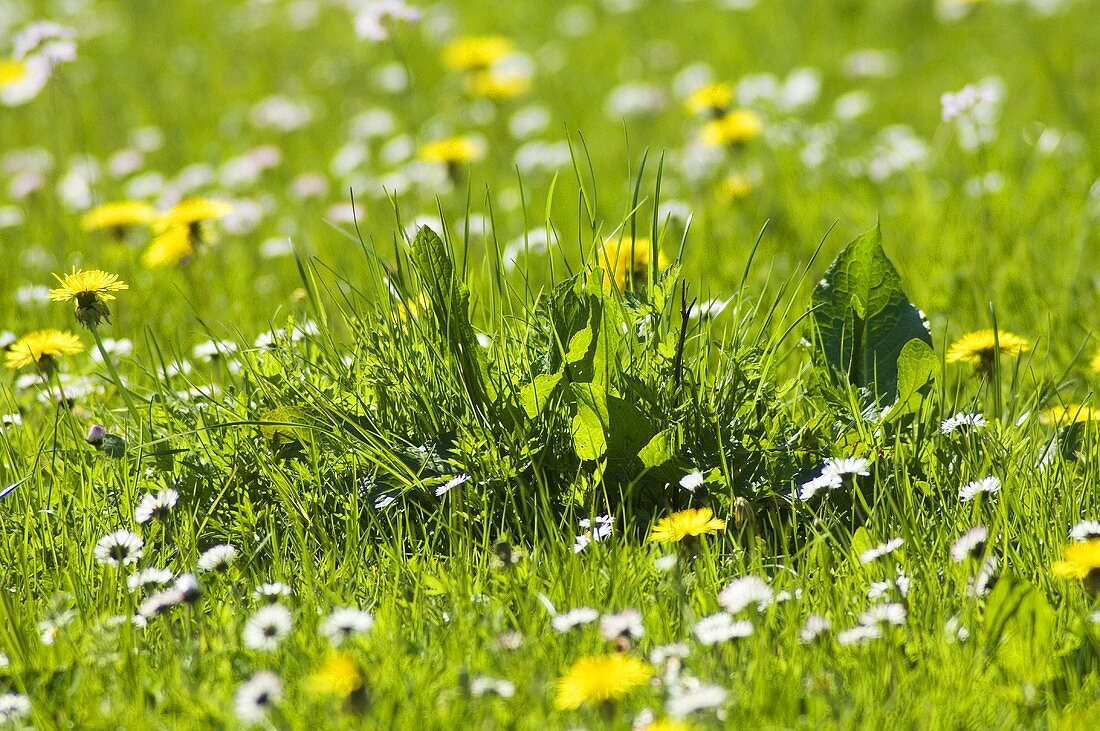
[864, 319]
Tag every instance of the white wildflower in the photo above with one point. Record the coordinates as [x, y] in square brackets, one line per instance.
[267, 627]
[256, 696]
[692, 481]
[217, 558]
[120, 548]
[155, 506]
[627, 623]
[574, 618]
[883, 549]
[815, 627]
[721, 627]
[344, 623]
[744, 591]
[987, 485]
[970, 544]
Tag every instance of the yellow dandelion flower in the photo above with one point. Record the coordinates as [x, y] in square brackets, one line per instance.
[684, 524]
[452, 151]
[734, 186]
[90, 290]
[711, 99]
[41, 347]
[476, 53]
[1069, 414]
[191, 212]
[169, 248]
[628, 262]
[734, 128]
[12, 72]
[339, 675]
[498, 87]
[978, 347]
[85, 287]
[600, 679]
[118, 216]
[1080, 560]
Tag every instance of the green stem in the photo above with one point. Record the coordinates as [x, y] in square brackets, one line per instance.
[126, 396]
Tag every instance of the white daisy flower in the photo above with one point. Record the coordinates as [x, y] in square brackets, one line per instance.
[815, 627]
[267, 627]
[627, 623]
[692, 481]
[847, 466]
[962, 422]
[682, 703]
[1085, 530]
[983, 581]
[892, 613]
[450, 485]
[574, 618]
[271, 592]
[384, 501]
[744, 591]
[970, 490]
[120, 548]
[879, 589]
[660, 654]
[483, 686]
[721, 627]
[824, 481]
[159, 603]
[344, 622]
[5, 663]
[217, 558]
[257, 695]
[147, 578]
[859, 635]
[155, 506]
[883, 549]
[667, 562]
[970, 544]
[14, 708]
[902, 582]
[187, 586]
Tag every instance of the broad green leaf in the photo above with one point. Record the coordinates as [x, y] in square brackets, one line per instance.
[589, 438]
[916, 369]
[863, 317]
[657, 450]
[535, 395]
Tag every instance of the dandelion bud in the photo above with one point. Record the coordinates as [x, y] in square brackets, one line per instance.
[742, 512]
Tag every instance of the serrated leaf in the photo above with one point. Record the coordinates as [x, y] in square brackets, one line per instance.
[450, 298]
[863, 317]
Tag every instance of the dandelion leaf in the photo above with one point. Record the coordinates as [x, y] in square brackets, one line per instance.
[589, 431]
[864, 319]
[450, 298]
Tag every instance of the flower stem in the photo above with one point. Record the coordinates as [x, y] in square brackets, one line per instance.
[126, 395]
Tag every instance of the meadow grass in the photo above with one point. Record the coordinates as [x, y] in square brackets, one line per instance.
[393, 447]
